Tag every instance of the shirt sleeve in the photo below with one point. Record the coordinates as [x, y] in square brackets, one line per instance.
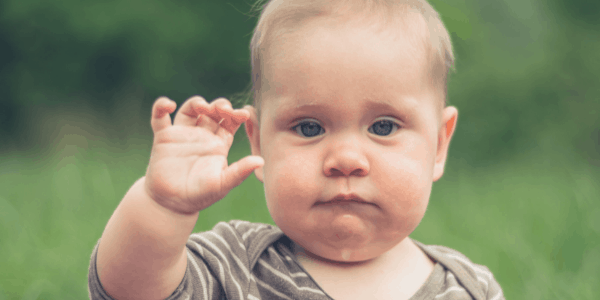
[220, 260]
[476, 280]
[197, 276]
[95, 289]
[218, 264]
[494, 291]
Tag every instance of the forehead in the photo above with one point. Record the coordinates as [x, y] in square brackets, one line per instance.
[360, 28]
[348, 38]
[329, 58]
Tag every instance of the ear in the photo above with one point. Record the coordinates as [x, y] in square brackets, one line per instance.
[449, 116]
[253, 133]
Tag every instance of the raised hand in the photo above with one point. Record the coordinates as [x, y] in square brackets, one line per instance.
[188, 168]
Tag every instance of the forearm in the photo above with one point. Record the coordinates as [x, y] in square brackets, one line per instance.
[142, 251]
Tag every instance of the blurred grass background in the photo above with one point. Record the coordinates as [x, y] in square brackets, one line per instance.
[77, 81]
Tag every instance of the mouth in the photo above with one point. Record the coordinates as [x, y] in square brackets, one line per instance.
[335, 202]
[345, 199]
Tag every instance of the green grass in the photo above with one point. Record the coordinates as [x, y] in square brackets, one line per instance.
[534, 221]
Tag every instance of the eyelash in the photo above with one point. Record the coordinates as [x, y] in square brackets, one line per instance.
[297, 126]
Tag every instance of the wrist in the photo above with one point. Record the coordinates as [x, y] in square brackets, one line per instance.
[146, 202]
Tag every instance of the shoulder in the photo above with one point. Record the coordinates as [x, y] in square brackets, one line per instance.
[237, 231]
[449, 255]
[476, 278]
[248, 230]
[221, 260]
[241, 237]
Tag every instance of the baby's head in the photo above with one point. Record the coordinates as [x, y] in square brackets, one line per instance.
[349, 104]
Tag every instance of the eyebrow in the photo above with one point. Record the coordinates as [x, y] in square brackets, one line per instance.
[383, 104]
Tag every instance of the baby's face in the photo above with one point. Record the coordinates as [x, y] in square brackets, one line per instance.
[347, 111]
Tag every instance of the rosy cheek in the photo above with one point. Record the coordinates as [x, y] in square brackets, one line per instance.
[291, 180]
[404, 184]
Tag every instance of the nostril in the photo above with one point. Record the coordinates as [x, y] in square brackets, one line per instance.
[355, 172]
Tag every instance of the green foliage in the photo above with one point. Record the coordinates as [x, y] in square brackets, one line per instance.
[523, 70]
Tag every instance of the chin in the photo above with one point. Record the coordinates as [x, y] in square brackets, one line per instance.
[348, 255]
[354, 249]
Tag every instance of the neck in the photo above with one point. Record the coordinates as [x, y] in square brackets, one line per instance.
[401, 253]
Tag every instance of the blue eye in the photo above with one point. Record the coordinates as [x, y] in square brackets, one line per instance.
[308, 129]
[384, 127]
[312, 129]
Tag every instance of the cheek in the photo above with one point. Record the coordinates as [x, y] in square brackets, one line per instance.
[290, 183]
[407, 183]
[404, 184]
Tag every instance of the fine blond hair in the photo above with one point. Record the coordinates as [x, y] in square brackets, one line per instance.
[280, 17]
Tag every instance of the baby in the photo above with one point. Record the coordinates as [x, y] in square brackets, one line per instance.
[348, 131]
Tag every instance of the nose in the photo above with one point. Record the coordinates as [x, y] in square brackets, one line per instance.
[346, 159]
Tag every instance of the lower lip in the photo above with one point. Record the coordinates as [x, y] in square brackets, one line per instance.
[342, 202]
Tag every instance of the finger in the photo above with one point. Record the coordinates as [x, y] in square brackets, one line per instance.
[222, 108]
[207, 122]
[241, 115]
[161, 109]
[238, 118]
[217, 118]
[224, 111]
[237, 172]
[189, 111]
[229, 118]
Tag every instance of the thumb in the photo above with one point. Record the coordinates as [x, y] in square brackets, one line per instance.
[238, 171]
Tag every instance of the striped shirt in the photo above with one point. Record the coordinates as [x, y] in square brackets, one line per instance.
[243, 260]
